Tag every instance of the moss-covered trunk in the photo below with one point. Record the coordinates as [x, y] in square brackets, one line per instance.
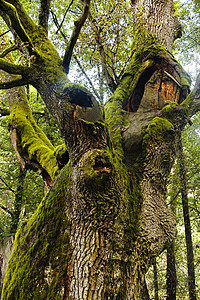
[105, 219]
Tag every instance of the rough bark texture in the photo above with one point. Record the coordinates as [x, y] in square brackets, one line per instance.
[155, 281]
[171, 273]
[96, 232]
[186, 215]
[5, 252]
[155, 20]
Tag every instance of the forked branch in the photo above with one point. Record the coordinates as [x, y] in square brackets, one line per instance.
[75, 34]
[59, 26]
[11, 11]
[25, 20]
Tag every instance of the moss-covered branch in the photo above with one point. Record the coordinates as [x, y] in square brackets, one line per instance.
[31, 140]
[11, 68]
[14, 83]
[8, 50]
[42, 248]
[23, 17]
[11, 11]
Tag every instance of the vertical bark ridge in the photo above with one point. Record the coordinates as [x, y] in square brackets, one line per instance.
[156, 20]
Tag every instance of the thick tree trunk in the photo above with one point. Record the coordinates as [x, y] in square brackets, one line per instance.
[96, 232]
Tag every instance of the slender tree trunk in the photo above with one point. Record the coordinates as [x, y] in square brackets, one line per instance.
[17, 201]
[188, 235]
[155, 280]
[171, 263]
[171, 273]
[145, 292]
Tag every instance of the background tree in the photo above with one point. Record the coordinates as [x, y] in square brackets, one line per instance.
[96, 232]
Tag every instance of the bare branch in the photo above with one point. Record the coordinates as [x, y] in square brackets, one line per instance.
[44, 14]
[13, 136]
[75, 34]
[196, 97]
[6, 209]
[4, 33]
[59, 26]
[76, 58]
[109, 79]
[8, 50]
[88, 79]
[197, 87]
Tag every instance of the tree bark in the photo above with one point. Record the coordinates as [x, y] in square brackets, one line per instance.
[171, 259]
[17, 202]
[96, 232]
[171, 273]
[186, 215]
[5, 252]
[155, 281]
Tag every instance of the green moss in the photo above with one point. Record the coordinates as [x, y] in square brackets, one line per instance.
[42, 247]
[142, 59]
[60, 150]
[157, 129]
[188, 101]
[33, 140]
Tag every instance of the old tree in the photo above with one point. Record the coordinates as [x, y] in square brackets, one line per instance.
[104, 218]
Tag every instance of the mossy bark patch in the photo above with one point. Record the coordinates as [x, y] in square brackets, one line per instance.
[32, 140]
[38, 267]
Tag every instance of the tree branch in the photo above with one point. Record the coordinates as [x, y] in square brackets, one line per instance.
[8, 50]
[4, 111]
[6, 209]
[4, 182]
[75, 34]
[88, 79]
[74, 56]
[11, 11]
[44, 14]
[14, 83]
[59, 26]
[12, 68]
[28, 25]
[109, 79]
[196, 97]
[2, 34]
